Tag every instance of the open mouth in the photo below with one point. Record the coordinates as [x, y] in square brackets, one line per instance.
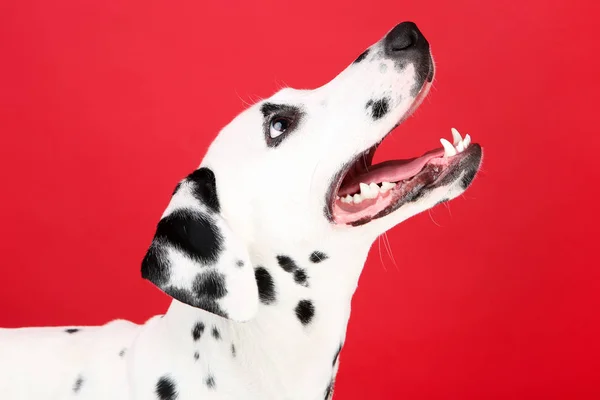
[362, 191]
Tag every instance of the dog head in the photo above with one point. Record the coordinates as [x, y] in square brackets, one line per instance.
[298, 167]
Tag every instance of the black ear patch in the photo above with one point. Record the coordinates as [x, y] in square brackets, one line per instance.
[192, 233]
[205, 188]
[208, 287]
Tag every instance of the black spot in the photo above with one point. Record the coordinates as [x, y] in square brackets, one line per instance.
[156, 266]
[192, 298]
[192, 233]
[287, 263]
[266, 287]
[122, 352]
[210, 382]
[196, 356]
[305, 311]
[216, 334]
[72, 330]
[318, 256]
[362, 56]
[233, 353]
[239, 263]
[77, 384]
[378, 108]
[336, 356]
[205, 188]
[198, 331]
[165, 388]
[210, 284]
[189, 232]
[300, 277]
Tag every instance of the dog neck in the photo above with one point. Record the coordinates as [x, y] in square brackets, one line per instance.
[301, 322]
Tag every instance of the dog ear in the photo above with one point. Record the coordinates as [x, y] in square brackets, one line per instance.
[196, 258]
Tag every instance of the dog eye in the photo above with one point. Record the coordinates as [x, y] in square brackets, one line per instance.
[279, 121]
[278, 126]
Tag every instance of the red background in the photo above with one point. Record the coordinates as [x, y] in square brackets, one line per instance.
[106, 105]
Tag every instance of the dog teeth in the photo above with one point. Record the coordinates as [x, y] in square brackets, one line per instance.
[449, 150]
[385, 186]
[456, 138]
[467, 140]
[346, 199]
[459, 145]
[368, 191]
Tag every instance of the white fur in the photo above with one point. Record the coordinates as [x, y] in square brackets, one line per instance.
[272, 203]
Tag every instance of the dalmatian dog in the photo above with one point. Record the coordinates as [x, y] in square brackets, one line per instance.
[261, 247]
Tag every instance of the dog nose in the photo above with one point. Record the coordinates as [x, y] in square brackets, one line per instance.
[404, 39]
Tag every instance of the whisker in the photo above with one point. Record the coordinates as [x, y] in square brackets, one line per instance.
[380, 254]
[432, 219]
[389, 249]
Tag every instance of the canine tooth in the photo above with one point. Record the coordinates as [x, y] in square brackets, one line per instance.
[449, 150]
[357, 198]
[467, 140]
[456, 138]
[460, 147]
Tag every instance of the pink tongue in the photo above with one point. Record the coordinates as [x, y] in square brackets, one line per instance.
[390, 171]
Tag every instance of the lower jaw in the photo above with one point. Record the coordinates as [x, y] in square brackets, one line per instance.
[437, 172]
[403, 192]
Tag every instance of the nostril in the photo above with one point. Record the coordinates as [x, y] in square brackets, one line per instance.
[405, 41]
[404, 37]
